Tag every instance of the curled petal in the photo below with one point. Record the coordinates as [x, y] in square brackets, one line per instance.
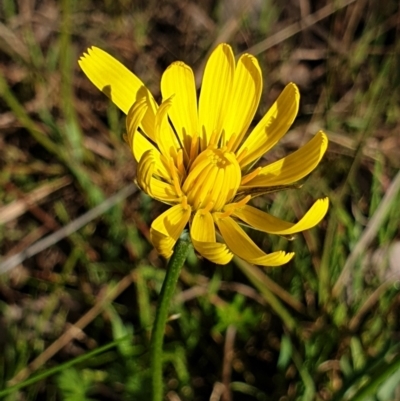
[150, 183]
[272, 126]
[293, 167]
[141, 145]
[145, 171]
[244, 247]
[165, 137]
[133, 121]
[163, 191]
[138, 142]
[166, 228]
[202, 233]
[265, 222]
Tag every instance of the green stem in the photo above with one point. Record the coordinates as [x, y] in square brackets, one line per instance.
[156, 351]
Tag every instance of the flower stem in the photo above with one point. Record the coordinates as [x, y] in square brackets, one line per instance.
[156, 351]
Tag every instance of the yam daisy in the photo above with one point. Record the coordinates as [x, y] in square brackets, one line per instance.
[199, 156]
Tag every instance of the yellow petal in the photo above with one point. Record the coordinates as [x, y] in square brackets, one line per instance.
[111, 77]
[148, 120]
[265, 222]
[215, 93]
[244, 247]
[139, 143]
[163, 192]
[148, 181]
[293, 167]
[165, 137]
[245, 97]
[117, 82]
[178, 81]
[202, 233]
[145, 171]
[133, 120]
[272, 126]
[166, 228]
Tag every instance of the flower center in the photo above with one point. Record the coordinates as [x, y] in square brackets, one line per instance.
[213, 180]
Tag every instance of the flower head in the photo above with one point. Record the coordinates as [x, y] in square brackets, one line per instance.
[197, 157]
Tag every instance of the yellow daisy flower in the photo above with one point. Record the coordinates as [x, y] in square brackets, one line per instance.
[197, 157]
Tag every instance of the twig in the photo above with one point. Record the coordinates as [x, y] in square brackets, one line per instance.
[227, 363]
[256, 277]
[369, 233]
[69, 229]
[297, 27]
[263, 280]
[225, 34]
[74, 330]
[368, 304]
[20, 206]
[217, 391]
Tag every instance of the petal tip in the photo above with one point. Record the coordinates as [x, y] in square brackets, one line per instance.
[324, 202]
[224, 48]
[287, 257]
[293, 86]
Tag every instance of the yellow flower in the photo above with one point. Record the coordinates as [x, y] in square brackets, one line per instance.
[196, 156]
